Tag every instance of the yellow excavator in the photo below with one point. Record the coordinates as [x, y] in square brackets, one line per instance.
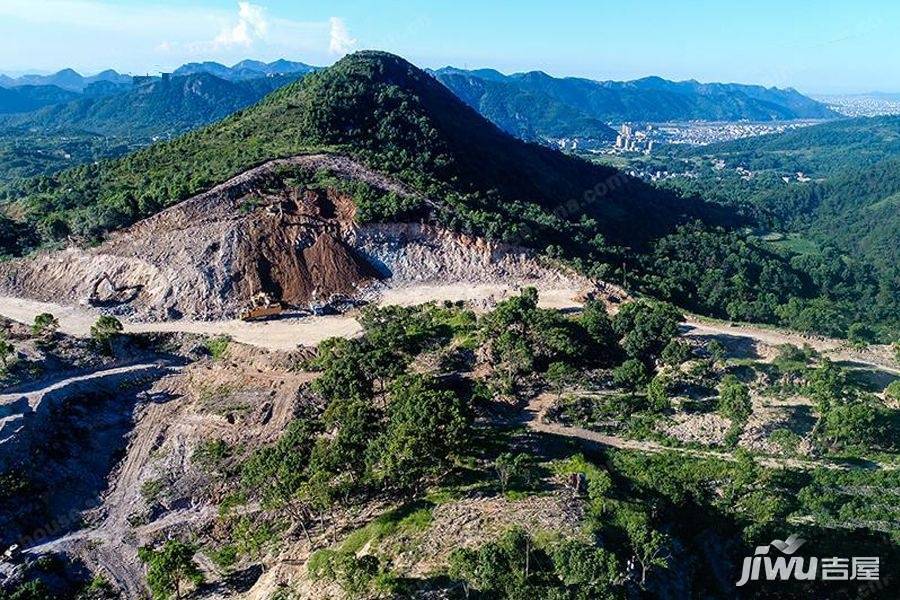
[261, 307]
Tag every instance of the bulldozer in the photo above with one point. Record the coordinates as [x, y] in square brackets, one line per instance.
[261, 307]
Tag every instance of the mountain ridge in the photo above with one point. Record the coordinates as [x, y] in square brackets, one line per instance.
[651, 98]
[153, 109]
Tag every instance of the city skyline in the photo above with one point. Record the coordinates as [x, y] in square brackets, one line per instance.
[832, 49]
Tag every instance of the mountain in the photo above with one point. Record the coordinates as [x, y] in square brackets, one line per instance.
[67, 79]
[396, 119]
[246, 69]
[31, 97]
[526, 114]
[160, 107]
[650, 99]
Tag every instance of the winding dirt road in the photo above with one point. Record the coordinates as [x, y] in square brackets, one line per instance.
[534, 417]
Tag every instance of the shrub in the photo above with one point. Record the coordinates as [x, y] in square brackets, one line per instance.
[170, 569]
[44, 324]
[734, 399]
[630, 375]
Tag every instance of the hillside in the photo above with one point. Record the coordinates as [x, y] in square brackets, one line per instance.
[820, 150]
[527, 114]
[840, 225]
[160, 108]
[396, 119]
[28, 97]
[651, 99]
[852, 201]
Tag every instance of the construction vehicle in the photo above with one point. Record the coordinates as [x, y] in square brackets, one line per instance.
[261, 307]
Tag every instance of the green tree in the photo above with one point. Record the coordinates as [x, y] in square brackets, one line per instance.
[593, 572]
[734, 399]
[630, 375]
[716, 351]
[658, 392]
[649, 545]
[170, 569]
[892, 391]
[105, 330]
[512, 468]
[595, 320]
[826, 384]
[559, 374]
[358, 577]
[44, 324]
[860, 334]
[426, 429]
[676, 352]
[855, 422]
[499, 569]
[276, 474]
[646, 327]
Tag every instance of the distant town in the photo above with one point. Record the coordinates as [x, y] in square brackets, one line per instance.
[857, 105]
[644, 137]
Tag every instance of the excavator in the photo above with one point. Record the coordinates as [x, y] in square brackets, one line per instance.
[261, 307]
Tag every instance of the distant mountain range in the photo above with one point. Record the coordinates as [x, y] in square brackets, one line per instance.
[67, 79]
[537, 105]
[246, 69]
[156, 108]
[531, 106]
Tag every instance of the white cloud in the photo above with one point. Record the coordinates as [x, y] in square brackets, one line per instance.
[92, 35]
[251, 25]
[341, 42]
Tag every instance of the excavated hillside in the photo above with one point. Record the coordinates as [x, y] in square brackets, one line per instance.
[267, 231]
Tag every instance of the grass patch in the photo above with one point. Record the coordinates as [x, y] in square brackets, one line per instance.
[217, 346]
[409, 519]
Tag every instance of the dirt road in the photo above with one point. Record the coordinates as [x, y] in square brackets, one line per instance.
[17, 407]
[534, 417]
[285, 333]
[289, 332]
[877, 356]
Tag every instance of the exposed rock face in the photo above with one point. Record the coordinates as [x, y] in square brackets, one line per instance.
[207, 256]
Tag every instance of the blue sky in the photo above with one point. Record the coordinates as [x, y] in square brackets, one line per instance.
[824, 46]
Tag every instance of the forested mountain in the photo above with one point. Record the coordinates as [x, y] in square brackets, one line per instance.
[818, 150]
[527, 114]
[30, 97]
[396, 118]
[845, 219]
[648, 99]
[853, 197]
[161, 107]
